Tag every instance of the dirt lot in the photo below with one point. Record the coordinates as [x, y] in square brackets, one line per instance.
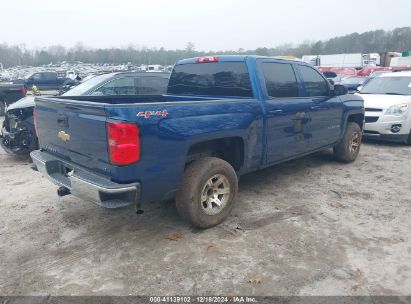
[307, 227]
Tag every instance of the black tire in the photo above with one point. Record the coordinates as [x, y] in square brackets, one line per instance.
[201, 177]
[348, 148]
[2, 108]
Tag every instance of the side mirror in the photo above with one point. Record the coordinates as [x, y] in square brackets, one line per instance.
[359, 89]
[340, 90]
[330, 74]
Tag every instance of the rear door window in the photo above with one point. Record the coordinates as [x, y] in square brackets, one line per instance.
[211, 79]
[280, 79]
[315, 84]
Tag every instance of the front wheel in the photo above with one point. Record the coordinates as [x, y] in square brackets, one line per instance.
[207, 193]
[348, 148]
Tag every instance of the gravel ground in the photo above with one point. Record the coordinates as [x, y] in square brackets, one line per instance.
[307, 227]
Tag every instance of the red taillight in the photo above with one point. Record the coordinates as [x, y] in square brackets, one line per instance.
[123, 143]
[24, 90]
[207, 59]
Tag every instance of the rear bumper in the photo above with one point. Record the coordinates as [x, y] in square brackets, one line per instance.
[85, 184]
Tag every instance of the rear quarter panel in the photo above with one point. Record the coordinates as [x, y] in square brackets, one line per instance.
[167, 140]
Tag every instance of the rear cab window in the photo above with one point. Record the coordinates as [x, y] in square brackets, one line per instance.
[211, 79]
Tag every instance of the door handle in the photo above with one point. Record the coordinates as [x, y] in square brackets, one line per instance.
[276, 112]
[315, 107]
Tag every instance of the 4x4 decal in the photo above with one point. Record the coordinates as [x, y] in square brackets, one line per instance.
[148, 114]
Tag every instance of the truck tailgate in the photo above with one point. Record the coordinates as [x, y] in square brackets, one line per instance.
[76, 132]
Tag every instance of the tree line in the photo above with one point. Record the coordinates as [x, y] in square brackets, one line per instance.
[378, 41]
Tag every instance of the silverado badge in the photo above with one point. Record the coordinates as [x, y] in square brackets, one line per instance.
[63, 136]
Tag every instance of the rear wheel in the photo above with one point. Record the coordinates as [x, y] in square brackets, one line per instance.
[409, 139]
[348, 148]
[208, 192]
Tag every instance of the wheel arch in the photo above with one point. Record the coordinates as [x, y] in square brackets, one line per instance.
[357, 118]
[230, 149]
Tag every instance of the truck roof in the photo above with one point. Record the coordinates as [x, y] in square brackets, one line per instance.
[130, 73]
[231, 58]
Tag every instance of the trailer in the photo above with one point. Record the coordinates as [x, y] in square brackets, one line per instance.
[386, 58]
[400, 62]
[342, 60]
[311, 59]
[372, 59]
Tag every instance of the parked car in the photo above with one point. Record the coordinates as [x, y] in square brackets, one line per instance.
[45, 80]
[10, 93]
[387, 100]
[18, 135]
[73, 82]
[352, 83]
[222, 117]
[370, 77]
[122, 83]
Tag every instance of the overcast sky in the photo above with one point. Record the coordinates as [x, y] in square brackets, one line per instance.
[209, 24]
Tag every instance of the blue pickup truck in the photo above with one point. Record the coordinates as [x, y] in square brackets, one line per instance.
[222, 117]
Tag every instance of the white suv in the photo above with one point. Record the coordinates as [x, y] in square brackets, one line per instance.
[387, 102]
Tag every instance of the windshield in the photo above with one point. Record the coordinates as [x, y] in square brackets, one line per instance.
[85, 86]
[388, 85]
[353, 80]
[378, 73]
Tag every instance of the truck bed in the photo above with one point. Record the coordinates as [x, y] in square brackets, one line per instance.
[126, 99]
[168, 126]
